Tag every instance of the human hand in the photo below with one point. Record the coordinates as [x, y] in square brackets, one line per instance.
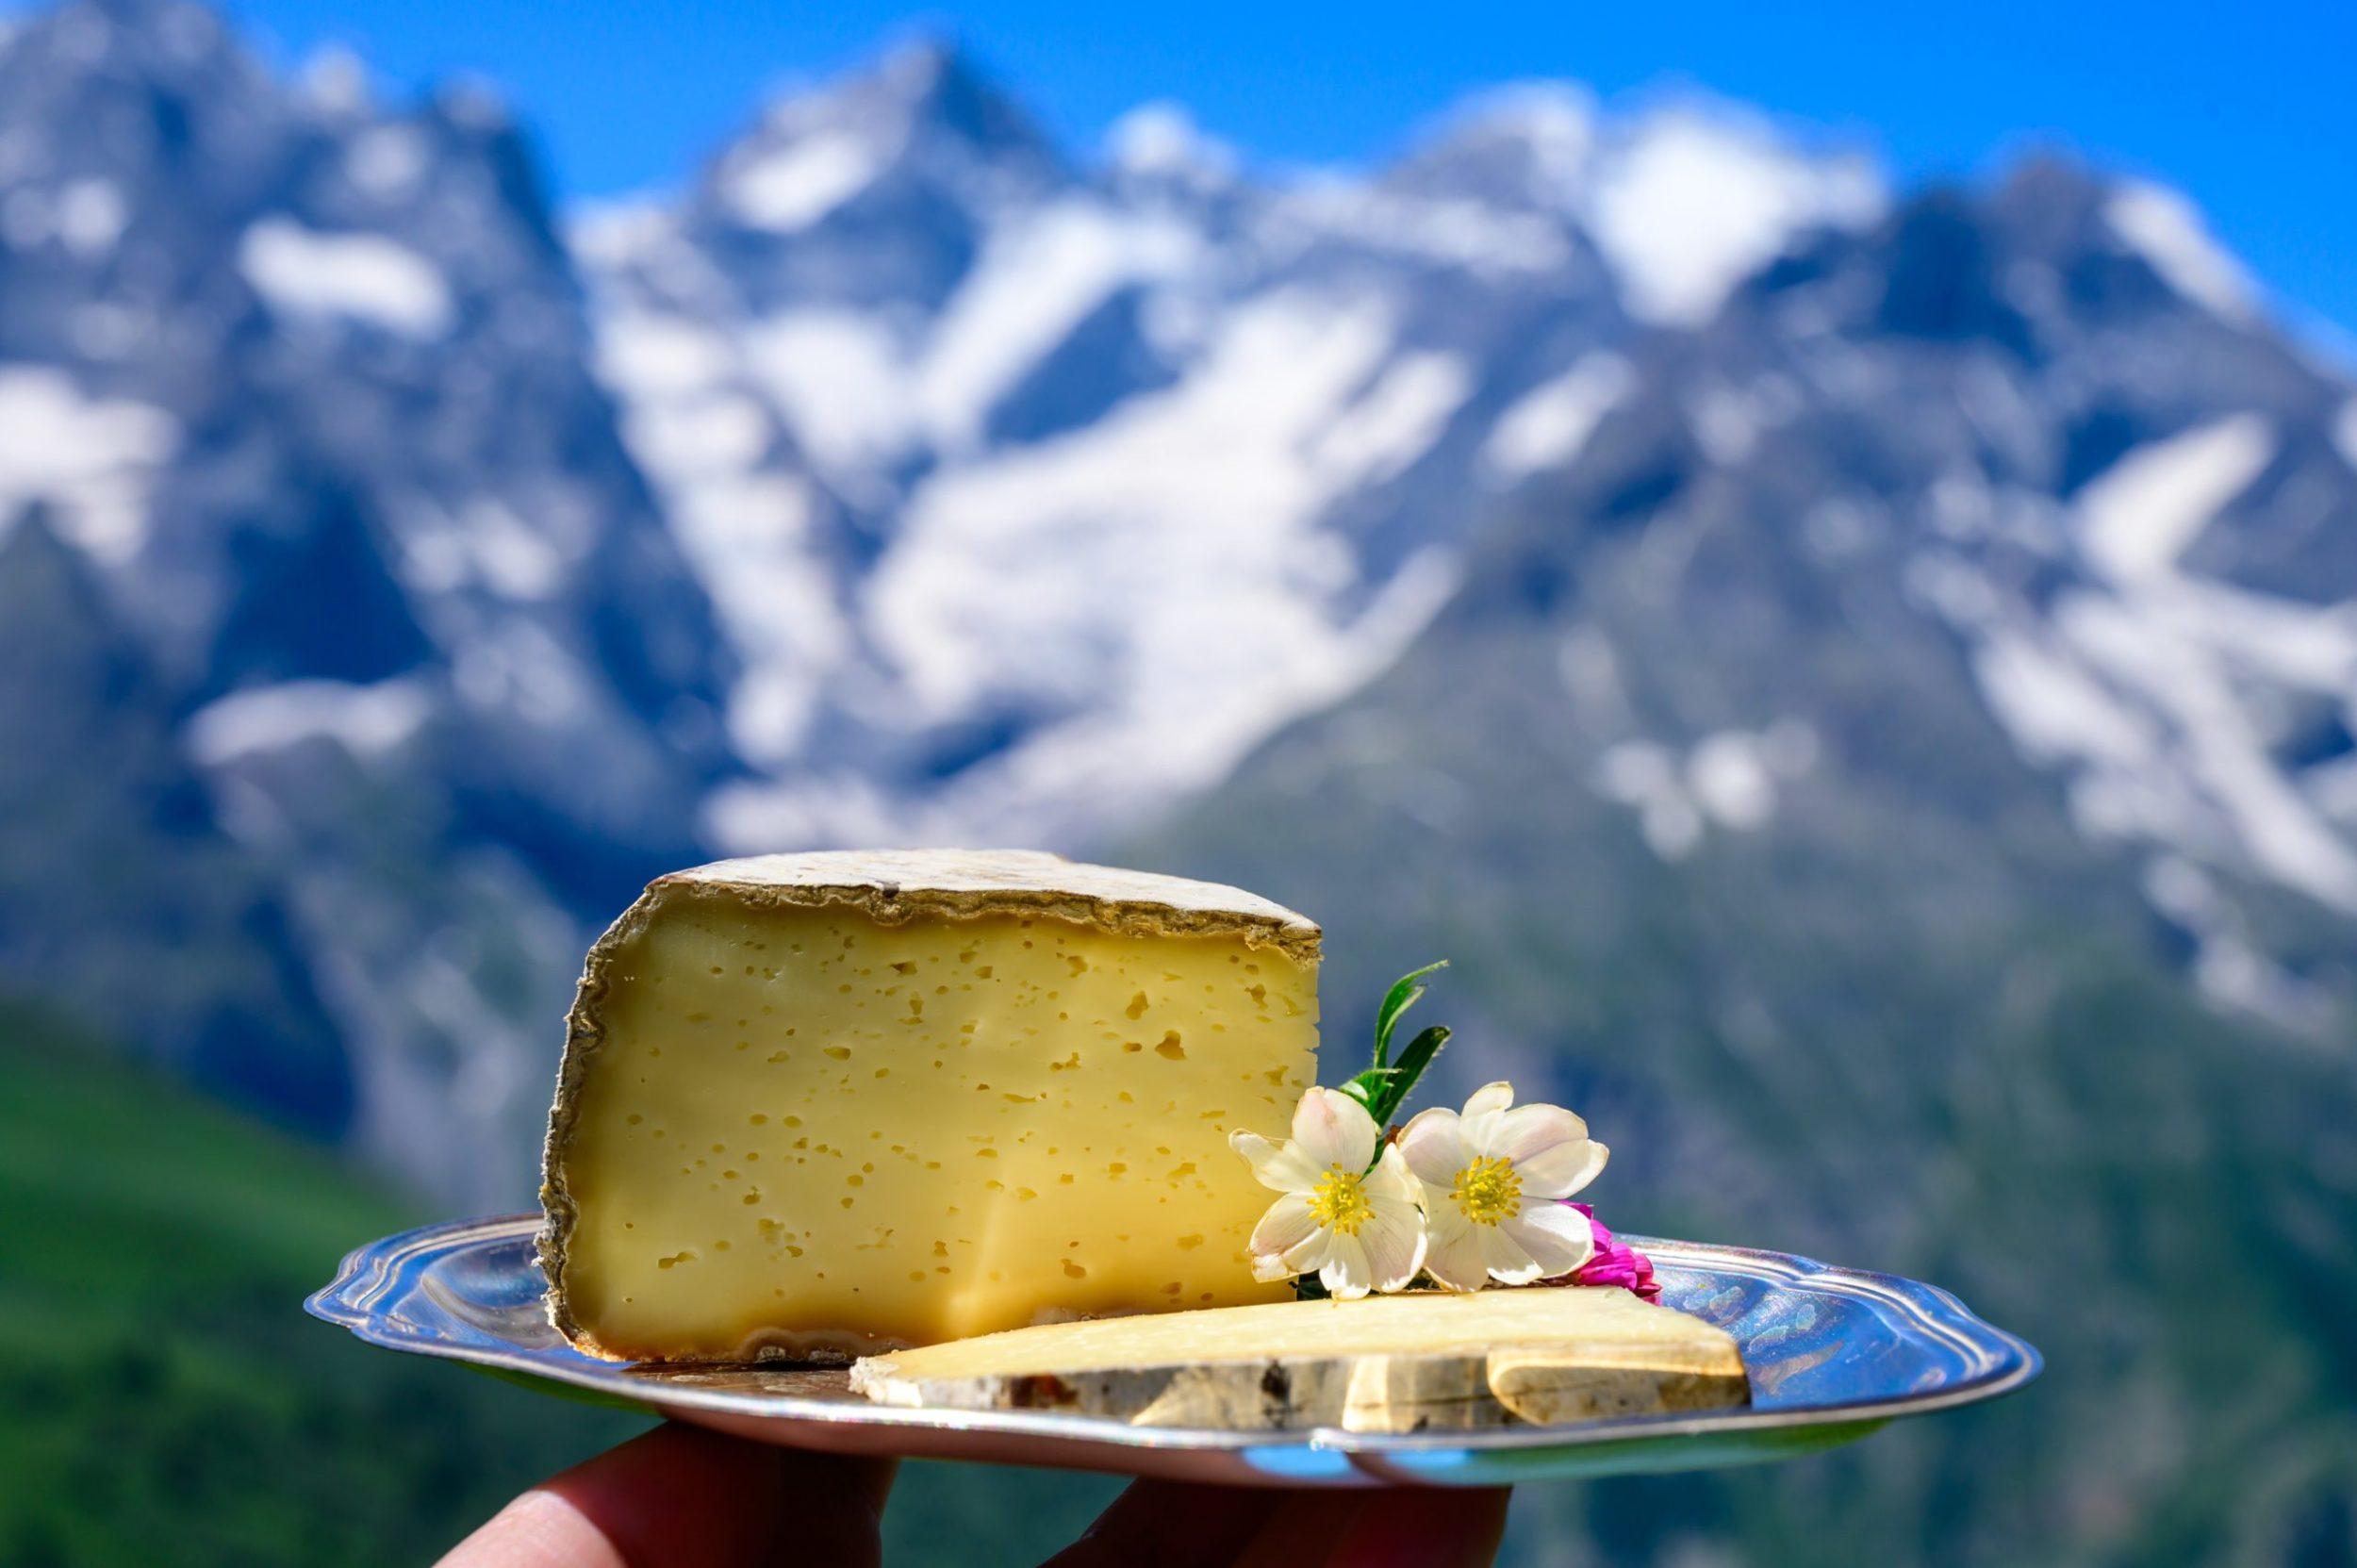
[684, 1497]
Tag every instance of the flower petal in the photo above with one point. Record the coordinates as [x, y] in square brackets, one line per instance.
[1394, 1240]
[1496, 1095]
[1332, 1130]
[1558, 1236]
[1345, 1275]
[1565, 1169]
[1288, 1223]
[1508, 1262]
[1431, 1143]
[1550, 1147]
[1452, 1253]
[1528, 1129]
[1279, 1167]
[1391, 1179]
[1482, 1111]
[1309, 1254]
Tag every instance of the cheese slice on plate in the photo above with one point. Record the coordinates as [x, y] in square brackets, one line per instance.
[1386, 1364]
[828, 1104]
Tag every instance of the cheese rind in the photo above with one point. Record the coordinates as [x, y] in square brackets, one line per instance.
[1412, 1362]
[831, 1104]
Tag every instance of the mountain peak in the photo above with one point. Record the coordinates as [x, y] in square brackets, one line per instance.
[923, 106]
[927, 85]
[1684, 193]
[1524, 145]
[1161, 144]
[926, 67]
[2054, 205]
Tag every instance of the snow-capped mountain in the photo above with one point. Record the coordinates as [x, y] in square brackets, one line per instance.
[1032, 495]
[1895, 773]
[304, 384]
[428, 571]
[1862, 684]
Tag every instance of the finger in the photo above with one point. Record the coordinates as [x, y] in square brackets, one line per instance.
[1423, 1527]
[1301, 1531]
[1172, 1524]
[681, 1497]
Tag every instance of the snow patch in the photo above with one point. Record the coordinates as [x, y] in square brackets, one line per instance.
[335, 81]
[91, 217]
[1487, 240]
[1161, 140]
[615, 233]
[2165, 228]
[388, 161]
[91, 459]
[2139, 515]
[721, 430]
[2228, 969]
[362, 277]
[794, 187]
[2181, 678]
[748, 537]
[1699, 200]
[1159, 594]
[839, 378]
[2053, 708]
[367, 721]
[1547, 426]
[1642, 774]
[649, 355]
[1394, 422]
[1553, 123]
[1032, 286]
[1728, 778]
[1026, 569]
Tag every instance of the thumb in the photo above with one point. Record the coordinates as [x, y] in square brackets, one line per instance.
[683, 1497]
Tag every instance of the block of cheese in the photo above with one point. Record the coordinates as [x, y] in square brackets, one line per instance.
[1421, 1362]
[819, 1105]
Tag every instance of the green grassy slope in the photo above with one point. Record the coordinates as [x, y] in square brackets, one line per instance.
[164, 1400]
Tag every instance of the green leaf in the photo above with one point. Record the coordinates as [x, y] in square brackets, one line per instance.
[1369, 1087]
[1413, 1062]
[1397, 1000]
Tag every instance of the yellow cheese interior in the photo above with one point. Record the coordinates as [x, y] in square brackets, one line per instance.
[1601, 1327]
[808, 1129]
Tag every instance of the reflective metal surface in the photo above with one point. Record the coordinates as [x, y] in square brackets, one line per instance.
[1833, 1354]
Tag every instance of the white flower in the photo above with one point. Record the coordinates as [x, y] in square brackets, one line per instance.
[1357, 1229]
[1492, 1180]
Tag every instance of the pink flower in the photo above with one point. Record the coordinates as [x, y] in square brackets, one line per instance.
[1613, 1262]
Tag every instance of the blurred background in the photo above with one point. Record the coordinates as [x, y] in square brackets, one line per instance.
[1815, 557]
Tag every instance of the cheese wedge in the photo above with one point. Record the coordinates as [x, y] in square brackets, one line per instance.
[824, 1104]
[1388, 1363]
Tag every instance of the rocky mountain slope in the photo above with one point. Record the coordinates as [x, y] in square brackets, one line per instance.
[405, 574]
[1863, 685]
[415, 674]
[1882, 775]
[1031, 493]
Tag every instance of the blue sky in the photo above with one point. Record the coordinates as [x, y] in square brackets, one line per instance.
[2250, 108]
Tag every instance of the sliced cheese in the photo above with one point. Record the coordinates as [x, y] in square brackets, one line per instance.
[1391, 1364]
[834, 1103]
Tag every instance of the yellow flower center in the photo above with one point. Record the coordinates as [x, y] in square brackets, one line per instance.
[1489, 1191]
[1339, 1202]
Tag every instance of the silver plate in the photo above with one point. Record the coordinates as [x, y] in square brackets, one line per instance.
[1833, 1354]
